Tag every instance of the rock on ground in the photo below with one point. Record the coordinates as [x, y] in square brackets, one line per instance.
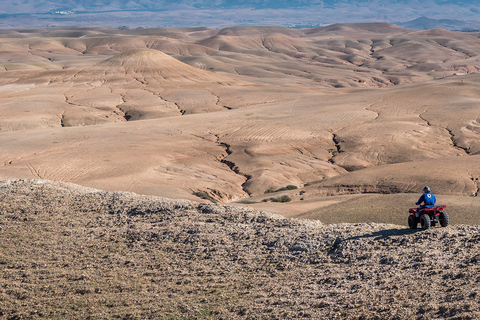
[74, 252]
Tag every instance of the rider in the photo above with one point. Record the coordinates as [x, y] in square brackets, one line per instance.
[427, 198]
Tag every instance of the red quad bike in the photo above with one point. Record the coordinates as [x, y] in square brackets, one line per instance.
[428, 217]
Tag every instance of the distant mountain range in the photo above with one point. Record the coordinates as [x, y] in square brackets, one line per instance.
[449, 14]
[42, 6]
[424, 23]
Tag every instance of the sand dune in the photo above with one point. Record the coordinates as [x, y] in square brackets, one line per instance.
[233, 113]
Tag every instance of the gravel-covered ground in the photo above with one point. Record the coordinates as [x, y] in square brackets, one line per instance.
[68, 252]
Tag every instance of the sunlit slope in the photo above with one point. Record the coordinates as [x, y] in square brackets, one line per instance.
[134, 85]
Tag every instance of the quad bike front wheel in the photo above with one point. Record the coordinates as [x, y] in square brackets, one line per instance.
[444, 219]
[425, 221]
[412, 222]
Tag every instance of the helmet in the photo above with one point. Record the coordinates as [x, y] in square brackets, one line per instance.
[426, 189]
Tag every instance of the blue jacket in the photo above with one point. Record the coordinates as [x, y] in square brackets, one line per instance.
[427, 198]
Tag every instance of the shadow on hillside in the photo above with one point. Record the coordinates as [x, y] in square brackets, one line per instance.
[385, 234]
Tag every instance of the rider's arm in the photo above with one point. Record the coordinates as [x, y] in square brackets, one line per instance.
[422, 198]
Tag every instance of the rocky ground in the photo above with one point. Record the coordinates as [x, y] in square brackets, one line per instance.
[71, 252]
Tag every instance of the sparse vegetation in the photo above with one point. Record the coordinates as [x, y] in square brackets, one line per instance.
[246, 201]
[315, 182]
[289, 187]
[283, 198]
[204, 196]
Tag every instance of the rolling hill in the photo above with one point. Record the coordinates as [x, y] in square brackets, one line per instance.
[236, 113]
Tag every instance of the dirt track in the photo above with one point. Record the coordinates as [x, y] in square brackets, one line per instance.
[73, 252]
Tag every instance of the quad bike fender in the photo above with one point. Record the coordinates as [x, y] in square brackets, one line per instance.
[435, 210]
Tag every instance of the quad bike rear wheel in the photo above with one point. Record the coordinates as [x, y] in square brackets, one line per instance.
[425, 221]
[412, 222]
[444, 219]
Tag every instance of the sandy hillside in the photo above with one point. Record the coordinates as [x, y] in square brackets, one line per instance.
[70, 252]
[234, 113]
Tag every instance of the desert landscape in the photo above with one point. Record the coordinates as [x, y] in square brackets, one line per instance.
[236, 113]
[268, 171]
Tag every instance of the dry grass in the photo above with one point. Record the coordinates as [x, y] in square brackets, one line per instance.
[392, 209]
[71, 253]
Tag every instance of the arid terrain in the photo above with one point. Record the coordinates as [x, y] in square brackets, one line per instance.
[142, 171]
[69, 252]
[236, 113]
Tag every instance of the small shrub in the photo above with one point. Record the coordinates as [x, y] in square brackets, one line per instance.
[245, 201]
[205, 196]
[284, 198]
[289, 187]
